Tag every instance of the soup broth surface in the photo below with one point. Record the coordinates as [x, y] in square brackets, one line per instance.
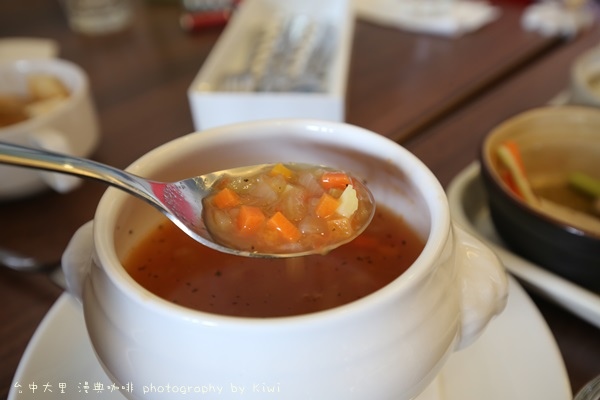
[173, 266]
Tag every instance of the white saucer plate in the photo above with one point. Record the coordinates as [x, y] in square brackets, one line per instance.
[468, 207]
[516, 358]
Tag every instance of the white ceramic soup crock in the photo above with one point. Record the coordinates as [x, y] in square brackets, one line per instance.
[387, 345]
[71, 127]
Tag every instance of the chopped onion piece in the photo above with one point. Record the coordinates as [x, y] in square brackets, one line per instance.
[348, 202]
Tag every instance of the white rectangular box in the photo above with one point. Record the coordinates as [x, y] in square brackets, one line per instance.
[211, 106]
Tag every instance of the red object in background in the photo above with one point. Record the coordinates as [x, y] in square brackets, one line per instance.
[522, 2]
[202, 14]
[194, 21]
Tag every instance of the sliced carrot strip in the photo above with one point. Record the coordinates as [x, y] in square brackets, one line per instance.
[285, 228]
[326, 206]
[337, 180]
[510, 156]
[510, 182]
[226, 198]
[250, 218]
[513, 147]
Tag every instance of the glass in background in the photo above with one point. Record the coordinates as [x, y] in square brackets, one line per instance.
[98, 17]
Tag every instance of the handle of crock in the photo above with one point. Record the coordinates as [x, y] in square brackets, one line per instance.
[77, 259]
[53, 140]
[483, 284]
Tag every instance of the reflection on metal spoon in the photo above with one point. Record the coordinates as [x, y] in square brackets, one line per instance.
[21, 263]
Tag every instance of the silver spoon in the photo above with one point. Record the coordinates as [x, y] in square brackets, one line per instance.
[180, 201]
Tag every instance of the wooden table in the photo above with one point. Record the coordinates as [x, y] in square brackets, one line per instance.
[412, 88]
[401, 82]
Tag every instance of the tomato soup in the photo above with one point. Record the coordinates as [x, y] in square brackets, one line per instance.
[173, 266]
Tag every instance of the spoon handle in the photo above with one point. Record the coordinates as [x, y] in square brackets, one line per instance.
[41, 159]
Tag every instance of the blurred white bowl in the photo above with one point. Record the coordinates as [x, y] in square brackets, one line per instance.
[585, 79]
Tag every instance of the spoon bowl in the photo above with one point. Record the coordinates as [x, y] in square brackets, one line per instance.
[180, 201]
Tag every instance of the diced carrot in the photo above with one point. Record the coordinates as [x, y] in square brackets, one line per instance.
[250, 218]
[338, 180]
[226, 198]
[280, 169]
[326, 206]
[285, 228]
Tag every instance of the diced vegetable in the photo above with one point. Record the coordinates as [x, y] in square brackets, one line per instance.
[262, 193]
[338, 180]
[285, 228]
[310, 183]
[340, 227]
[293, 203]
[348, 202]
[226, 198]
[510, 157]
[287, 208]
[280, 169]
[221, 220]
[250, 218]
[326, 206]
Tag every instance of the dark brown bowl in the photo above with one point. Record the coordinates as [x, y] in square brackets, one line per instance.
[554, 141]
